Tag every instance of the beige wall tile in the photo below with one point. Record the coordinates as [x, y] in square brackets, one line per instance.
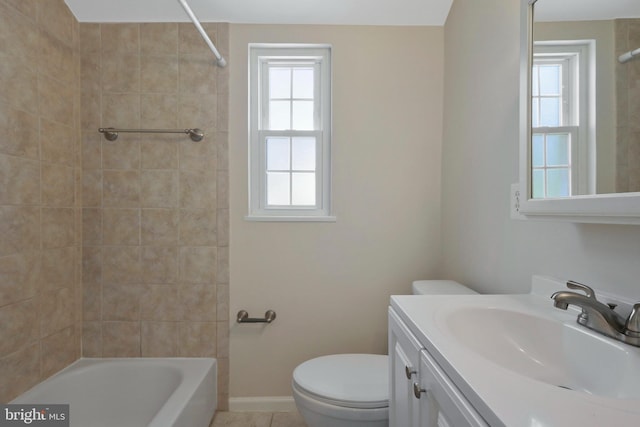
[58, 227]
[158, 111]
[197, 190]
[198, 111]
[121, 188]
[57, 143]
[89, 39]
[26, 7]
[92, 187]
[121, 73]
[159, 227]
[20, 229]
[58, 351]
[120, 38]
[159, 73]
[56, 310]
[121, 339]
[121, 264]
[92, 227]
[158, 152]
[159, 188]
[20, 41]
[159, 339]
[159, 38]
[19, 86]
[57, 19]
[124, 153]
[161, 303]
[121, 226]
[121, 302]
[197, 339]
[91, 301]
[159, 264]
[18, 326]
[20, 132]
[19, 181]
[198, 156]
[198, 265]
[92, 264]
[92, 339]
[56, 58]
[19, 277]
[196, 75]
[55, 100]
[19, 372]
[198, 227]
[121, 110]
[91, 149]
[222, 301]
[198, 303]
[190, 40]
[57, 267]
[58, 185]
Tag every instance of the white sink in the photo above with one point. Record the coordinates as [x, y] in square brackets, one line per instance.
[560, 354]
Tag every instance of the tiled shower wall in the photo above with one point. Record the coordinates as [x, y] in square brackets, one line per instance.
[628, 107]
[155, 207]
[40, 230]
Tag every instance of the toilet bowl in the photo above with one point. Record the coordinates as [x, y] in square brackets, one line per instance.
[352, 390]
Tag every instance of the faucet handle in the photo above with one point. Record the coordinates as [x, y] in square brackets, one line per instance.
[633, 321]
[579, 286]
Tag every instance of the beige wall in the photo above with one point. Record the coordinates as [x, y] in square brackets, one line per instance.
[40, 232]
[155, 206]
[330, 282]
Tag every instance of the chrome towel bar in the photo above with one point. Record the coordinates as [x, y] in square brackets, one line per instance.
[111, 134]
[243, 317]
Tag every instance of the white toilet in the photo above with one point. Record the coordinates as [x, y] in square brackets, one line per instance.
[351, 390]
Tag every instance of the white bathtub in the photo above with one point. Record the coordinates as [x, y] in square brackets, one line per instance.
[136, 392]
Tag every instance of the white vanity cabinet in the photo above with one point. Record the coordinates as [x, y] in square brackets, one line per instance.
[421, 394]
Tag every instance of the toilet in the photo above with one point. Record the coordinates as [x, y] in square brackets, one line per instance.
[352, 390]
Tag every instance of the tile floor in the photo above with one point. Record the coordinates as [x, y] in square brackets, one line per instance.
[258, 419]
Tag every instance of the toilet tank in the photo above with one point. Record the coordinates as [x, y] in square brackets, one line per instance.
[440, 287]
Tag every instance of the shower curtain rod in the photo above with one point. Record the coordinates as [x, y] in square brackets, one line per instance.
[220, 60]
[626, 57]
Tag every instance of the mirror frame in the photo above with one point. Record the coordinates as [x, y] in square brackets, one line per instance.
[614, 208]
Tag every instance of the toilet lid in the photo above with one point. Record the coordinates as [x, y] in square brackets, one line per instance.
[350, 380]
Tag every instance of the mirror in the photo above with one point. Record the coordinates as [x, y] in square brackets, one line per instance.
[580, 110]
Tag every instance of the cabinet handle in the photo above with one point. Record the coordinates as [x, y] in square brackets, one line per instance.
[417, 391]
[408, 371]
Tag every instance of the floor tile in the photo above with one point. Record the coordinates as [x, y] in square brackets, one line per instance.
[287, 419]
[242, 419]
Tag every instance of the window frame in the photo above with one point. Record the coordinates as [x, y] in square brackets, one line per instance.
[579, 56]
[261, 58]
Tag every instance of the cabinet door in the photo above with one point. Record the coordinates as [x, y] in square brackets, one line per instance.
[441, 403]
[404, 351]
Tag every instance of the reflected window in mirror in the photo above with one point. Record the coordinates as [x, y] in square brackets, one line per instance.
[560, 99]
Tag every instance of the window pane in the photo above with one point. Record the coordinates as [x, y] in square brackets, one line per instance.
[549, 112]
[538, 184]
[279, 83]
[534, 81]
[550, 79]
[303, 115]
[558, 183]
[278, 154]
[303, 83]
[278, 190]
[557, 149]
[304, 189]
[304, 154]
[279, 115]
[537, 150]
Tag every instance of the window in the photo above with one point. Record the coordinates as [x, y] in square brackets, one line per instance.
[560, 96]
[290, 132]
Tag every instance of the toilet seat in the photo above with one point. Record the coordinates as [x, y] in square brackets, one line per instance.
[358, 381]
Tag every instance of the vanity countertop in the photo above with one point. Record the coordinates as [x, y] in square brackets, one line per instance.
[506, 398]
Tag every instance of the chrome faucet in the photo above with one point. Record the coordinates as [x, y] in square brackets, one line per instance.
[598, 316]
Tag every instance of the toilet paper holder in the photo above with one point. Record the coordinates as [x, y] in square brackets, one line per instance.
[243, 317]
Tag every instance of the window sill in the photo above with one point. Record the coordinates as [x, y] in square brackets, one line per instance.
[292, 218]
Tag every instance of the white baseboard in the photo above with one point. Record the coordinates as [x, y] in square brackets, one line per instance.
[262, 404]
